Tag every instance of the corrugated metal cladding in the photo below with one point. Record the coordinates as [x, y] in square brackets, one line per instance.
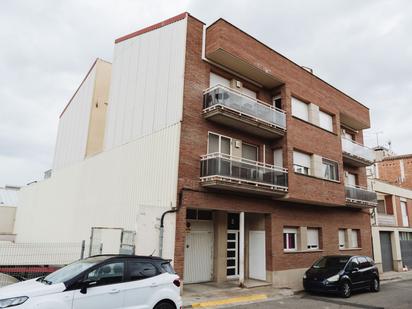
[74, 125]
[8, 197]
[129, 187]
[146, 92]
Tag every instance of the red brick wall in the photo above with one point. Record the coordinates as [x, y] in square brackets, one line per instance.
[390, 171]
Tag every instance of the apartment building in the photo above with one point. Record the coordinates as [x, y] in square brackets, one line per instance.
[256, 165]
[395, 169]
[392, 227]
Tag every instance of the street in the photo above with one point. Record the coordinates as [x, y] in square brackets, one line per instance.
[392, 295]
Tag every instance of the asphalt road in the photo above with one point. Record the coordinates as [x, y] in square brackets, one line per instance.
[394, 295]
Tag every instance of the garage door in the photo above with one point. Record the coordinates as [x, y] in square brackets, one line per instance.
[386, 251]
[406, 249]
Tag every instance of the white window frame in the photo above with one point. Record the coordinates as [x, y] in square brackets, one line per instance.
[288, 231]
[302, 168]
[254, 146]
[404, 213]
[278, 154]
[327, 163]
[300, 109]
[313, 239]
[342, 239]
[220, 142]
[325, 121]
[355, 242]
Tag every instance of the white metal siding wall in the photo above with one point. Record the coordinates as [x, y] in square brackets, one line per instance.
[146, 92]
[129, 186]
[74, 126]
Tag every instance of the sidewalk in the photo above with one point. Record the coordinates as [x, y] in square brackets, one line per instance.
[208, 295]
[395, 276]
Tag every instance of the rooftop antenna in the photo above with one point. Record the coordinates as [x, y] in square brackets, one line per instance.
[377, 137]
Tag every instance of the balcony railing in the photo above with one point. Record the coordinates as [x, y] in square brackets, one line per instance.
[356, 195]
[236, 105]
[219, 168]
[385, 219]
[359, 154]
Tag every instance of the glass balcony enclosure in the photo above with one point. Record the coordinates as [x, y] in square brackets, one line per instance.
[234, 108]
[239, 171]
[357, 154]
[360, 195]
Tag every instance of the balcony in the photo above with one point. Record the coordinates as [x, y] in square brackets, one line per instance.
[360, 197]
[221, 171]
[356, 154]
[237, 110]
[385, 219]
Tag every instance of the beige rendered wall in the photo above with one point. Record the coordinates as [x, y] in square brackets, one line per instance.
[7, 217]
[100, 102]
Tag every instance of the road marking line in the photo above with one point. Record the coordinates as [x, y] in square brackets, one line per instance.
[226, 301]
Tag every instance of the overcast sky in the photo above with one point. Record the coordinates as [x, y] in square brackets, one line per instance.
[46, 46]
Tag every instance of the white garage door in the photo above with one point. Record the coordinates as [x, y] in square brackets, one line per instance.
[257, 255]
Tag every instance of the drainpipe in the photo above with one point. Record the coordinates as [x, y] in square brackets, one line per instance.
[242, 249]
[161, 232]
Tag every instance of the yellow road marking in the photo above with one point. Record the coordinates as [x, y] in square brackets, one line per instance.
[227, 301]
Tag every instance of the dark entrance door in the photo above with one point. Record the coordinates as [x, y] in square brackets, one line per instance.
[406, 249]
[386, 251]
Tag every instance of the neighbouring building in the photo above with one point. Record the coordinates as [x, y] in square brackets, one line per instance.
[395, 169]
[261, 162]
[392, 227]
[8, 207]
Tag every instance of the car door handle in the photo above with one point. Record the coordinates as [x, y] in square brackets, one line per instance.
[154, 284]
[114, 291]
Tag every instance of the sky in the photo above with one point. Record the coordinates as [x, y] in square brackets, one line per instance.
[363, 48]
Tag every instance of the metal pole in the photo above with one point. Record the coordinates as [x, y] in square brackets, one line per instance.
[161, 241]
[242, 249]
[83, 249]
[91, 241]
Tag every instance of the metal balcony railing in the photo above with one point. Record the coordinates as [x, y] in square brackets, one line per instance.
[357, 150]
[243, 171]
[360, 195]
[240, 103]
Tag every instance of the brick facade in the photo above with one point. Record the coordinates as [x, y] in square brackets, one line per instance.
[390, 170]
[310, 202]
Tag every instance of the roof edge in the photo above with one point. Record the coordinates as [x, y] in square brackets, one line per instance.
[291, 61]
[153, 27]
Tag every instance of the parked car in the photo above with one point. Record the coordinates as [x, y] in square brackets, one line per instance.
[100, 282]
[342, 274]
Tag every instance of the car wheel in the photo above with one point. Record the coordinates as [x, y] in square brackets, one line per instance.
[165, 305]
[375, 285]
[346, 289]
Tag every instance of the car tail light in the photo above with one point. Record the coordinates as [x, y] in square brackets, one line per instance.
[176, 282]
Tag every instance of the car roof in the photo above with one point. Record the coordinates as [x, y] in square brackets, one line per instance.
[126, 256]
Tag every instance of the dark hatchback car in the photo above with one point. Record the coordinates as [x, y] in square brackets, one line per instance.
[342, 274]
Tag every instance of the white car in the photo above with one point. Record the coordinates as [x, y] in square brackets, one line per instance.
[100, 282]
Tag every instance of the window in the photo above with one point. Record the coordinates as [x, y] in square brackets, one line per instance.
[277, 101]
[300, 109]
[341, 239]
[350, 179]
[218, 143]
[278, 157]
[301, 162]
[249, 92]
[290, 239]
[249, 152]
[141, 270]
[355, 236]
[198, 214]
[330, 170]
[404, 211]
[107, 274]
[313, 238]
[347, 135]
[381, 208]
[353, 264]
[405, 236]
[218, 80]
[325, 121]
[363, 262]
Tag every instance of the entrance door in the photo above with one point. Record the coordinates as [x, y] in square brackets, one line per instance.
[406, 248]
[198, 257]
[257, 255]
[232, 262]
[386, 251]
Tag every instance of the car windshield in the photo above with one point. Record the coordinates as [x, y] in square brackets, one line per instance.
[335, 262]
[70, 271]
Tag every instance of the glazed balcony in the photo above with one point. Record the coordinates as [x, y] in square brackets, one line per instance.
[356, 154]
[237, 110]
[360, 197]
[221, 171]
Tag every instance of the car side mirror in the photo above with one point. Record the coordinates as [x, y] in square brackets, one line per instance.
[355, 270]
[85, 285]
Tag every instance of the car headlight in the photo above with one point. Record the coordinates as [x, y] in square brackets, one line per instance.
[334, 278]
[10, 302]
[304, 276]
